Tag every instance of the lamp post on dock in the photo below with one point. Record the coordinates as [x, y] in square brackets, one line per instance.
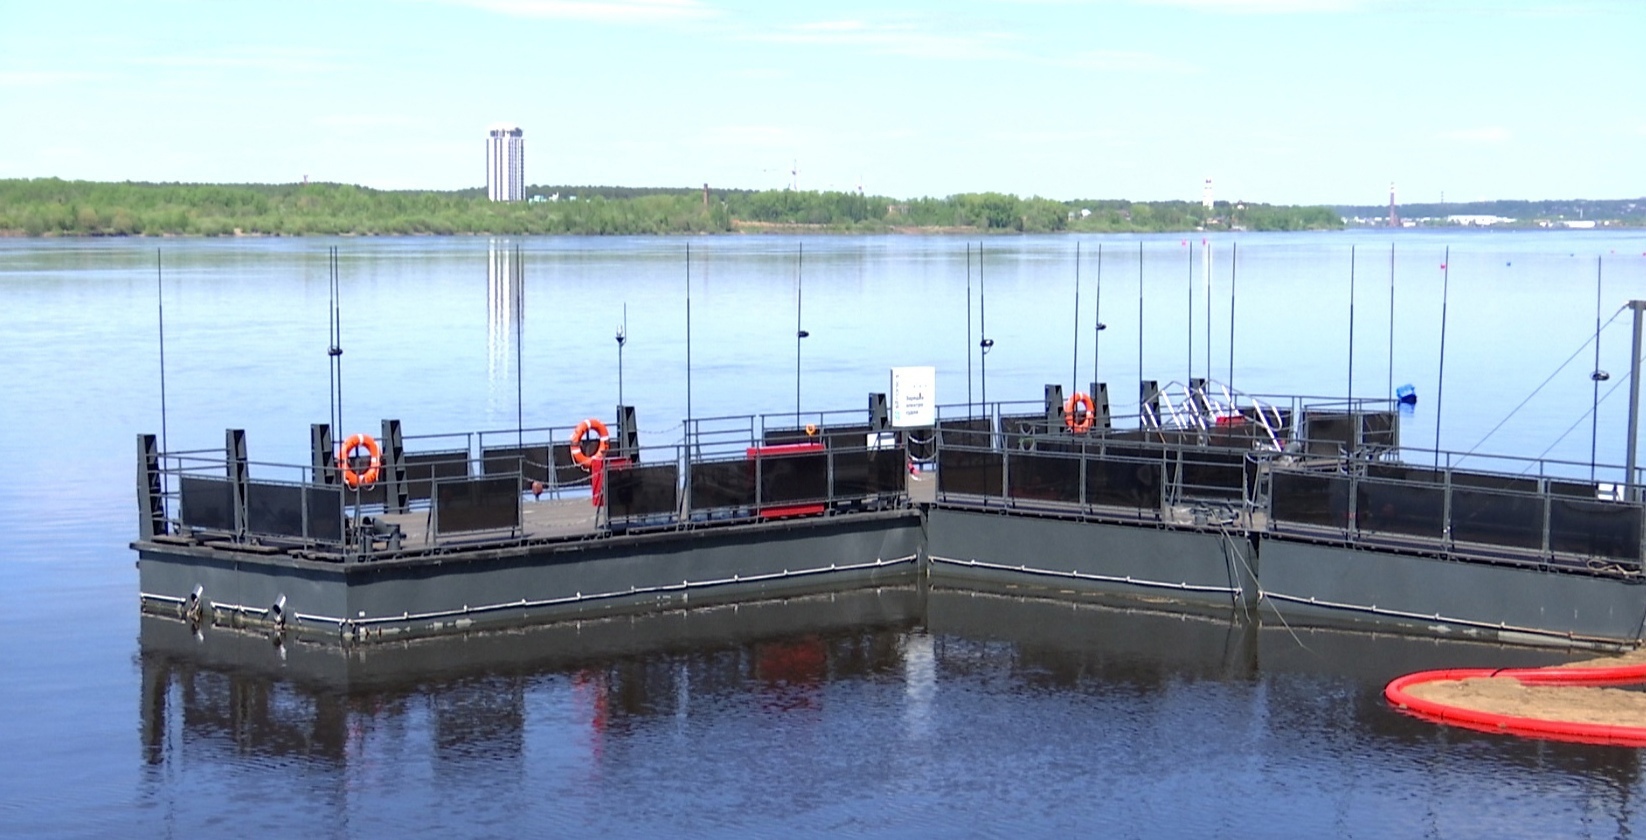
[1629, 491]
[622, 338]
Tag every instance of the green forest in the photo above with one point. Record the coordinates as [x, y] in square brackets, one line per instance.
[53, 207]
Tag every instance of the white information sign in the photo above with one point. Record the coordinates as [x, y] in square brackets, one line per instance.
[914, 397]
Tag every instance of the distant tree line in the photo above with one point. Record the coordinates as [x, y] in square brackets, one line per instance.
[1628, 211]
[53, 207]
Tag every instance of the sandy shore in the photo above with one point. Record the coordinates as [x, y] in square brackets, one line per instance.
[1581, 704]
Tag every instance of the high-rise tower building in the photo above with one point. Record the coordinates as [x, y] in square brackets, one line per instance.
[506, 163]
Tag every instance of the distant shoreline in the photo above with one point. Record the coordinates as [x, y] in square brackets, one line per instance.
[52, 207]
[49, 207]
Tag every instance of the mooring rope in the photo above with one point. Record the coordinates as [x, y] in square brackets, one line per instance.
[1540, 387]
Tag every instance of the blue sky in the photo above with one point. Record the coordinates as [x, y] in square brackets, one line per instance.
[1288, 101]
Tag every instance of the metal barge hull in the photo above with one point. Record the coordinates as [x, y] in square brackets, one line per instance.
[532, 583]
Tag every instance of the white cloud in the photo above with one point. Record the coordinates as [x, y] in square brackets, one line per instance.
[43, 78]
[600, 11]
[902, 38]
[279, 59]
[1126, 61]
[1267, 6]
[761, 136]
[1483, 134]
[363, 121]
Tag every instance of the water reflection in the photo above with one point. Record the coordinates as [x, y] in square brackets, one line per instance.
[860, 702]
[505, 315]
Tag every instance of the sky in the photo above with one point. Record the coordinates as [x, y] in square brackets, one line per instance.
[1280, 101]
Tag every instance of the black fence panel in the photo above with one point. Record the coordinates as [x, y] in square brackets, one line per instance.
[1240, 434]
[1401, 472]
[325, 509]
[781, 437]
[973, 432]
[477, 504]
[871, 472]
[1045, 477]
[1595, 529]
[722, 484]
[1210, 474]
[207, 503]
[274, 509]
[1309, 499]
[531, 462]
[1124, 477]
[970, 471]
[1025, 432]
[785, 479]
[1380, 428]
[1327, 433]
[566, 471]
[1575, 489]
[423, 469]
[1494, 481]
[642, 491]
[1483, 516]
[1411, 509]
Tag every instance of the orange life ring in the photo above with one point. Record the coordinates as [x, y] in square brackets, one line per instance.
[583, 428]
[1084, 424]
[369, 477]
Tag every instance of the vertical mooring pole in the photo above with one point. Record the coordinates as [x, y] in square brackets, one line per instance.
[1630, 492]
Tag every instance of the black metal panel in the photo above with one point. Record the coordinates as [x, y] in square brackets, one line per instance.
[847, 437]
[1493, 481]
[779, 437]
[1046, 477]
[325, 508]
[1309, 499]
[1122, 476]
[1401, 472]
[1577, 489]
[566, 471]
[642, 491]
[275, 509]
[1392, 508]
[860, 472]
[970, 471]
[722, 484]
[1236, 435]
[1595, 529]
[971, 431]
[785, 479]
[1208, 473]
[477, 504]
[1016, 429]
[206, 503]
[532, 461]
[1380, 428]
[1484, 516]
[1325, 433]
[424, 468]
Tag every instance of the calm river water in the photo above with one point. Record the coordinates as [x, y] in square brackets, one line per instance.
[898, 712]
